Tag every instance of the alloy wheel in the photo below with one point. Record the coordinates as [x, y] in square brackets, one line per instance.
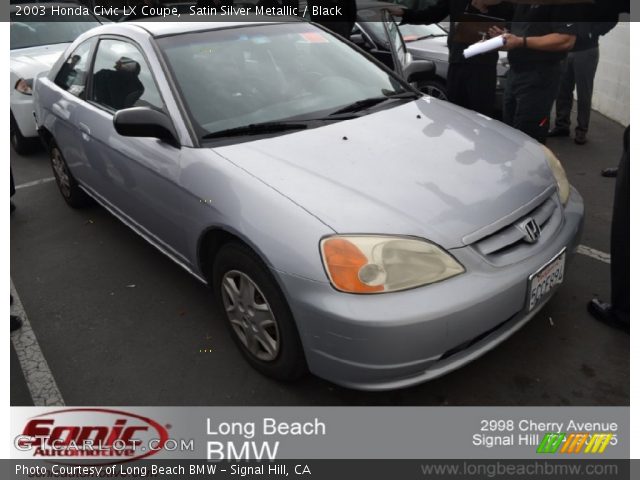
[61, 172]
[250, 315]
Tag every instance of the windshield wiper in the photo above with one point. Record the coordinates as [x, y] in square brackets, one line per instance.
[370, 102]
[256, 129]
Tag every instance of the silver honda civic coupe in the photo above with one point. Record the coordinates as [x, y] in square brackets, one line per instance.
[347, 224]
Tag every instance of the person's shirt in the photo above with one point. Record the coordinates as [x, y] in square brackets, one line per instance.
[589, 33]
[455, 10]
[541, 20]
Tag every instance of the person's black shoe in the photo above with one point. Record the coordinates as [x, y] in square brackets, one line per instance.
[559, 132]
[16, 323]
[13, 207]
[581, 137]
[605, 313]
[609, 172]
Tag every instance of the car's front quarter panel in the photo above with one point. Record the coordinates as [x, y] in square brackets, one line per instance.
[226, 197]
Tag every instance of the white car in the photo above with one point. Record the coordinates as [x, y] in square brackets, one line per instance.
[35, 46]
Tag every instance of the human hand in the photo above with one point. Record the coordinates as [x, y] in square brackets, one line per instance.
[496, 31]
[511, 42]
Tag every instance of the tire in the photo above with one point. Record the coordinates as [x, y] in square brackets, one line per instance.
[69, 188]
[434, 88]
[272, 346]
[21, 144]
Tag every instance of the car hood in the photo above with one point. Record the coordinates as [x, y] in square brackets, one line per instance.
[430, 49]
[29, 62]
[425, 168]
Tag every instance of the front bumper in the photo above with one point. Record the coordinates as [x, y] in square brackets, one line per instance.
[395, 340]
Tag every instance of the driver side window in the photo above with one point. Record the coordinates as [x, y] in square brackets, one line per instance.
[122, 78]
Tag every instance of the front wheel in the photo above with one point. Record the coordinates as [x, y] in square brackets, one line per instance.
[257, 313]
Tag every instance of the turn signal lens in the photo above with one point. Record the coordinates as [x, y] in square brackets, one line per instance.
[377, 264]
[344, 261]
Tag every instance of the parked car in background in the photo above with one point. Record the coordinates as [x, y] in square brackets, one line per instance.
[424, 42]
[35, 46]
[345, 222]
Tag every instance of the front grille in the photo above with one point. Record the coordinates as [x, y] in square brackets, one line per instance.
[510, 244]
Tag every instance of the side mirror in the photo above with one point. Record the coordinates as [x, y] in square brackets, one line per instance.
[419, 70]
[145, 122]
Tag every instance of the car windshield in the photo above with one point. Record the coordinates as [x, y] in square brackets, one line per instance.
[411, 33]
[34, 34]
[249, 75]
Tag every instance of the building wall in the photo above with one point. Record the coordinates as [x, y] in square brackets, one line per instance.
[612, 84]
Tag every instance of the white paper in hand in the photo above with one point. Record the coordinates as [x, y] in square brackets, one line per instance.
[483, 47]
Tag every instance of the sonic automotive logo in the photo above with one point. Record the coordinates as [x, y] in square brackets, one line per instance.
[92, 432]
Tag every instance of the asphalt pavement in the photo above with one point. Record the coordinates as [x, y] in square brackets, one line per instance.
[120, 324]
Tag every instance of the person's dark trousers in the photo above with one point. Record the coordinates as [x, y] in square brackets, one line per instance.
[472, 86]
[529, 96]
[620, 234]
[579, 73]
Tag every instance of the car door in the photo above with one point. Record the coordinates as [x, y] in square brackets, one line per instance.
[67, 104]
[377, 32]
[398, 50]
[135, 177]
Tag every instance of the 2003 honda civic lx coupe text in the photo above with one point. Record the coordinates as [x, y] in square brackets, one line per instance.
[346, 223]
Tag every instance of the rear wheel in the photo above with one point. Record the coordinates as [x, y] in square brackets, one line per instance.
[434, 88]
[20, 144]
[256, 313]
[69, 188]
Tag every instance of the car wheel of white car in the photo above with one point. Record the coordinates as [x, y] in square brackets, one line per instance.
[71, 192]
[20, 144]
[434, 89]
[257, 313]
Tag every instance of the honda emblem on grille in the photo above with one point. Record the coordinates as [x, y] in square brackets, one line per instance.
[530, 229]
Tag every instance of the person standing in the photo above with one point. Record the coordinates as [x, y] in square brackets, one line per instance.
[579, 73]
[538, 41]
[13, 190]
[471, 83]
[616, 313]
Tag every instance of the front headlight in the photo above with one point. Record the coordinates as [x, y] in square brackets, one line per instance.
[24, 86]
[559, 174]
[377, 264]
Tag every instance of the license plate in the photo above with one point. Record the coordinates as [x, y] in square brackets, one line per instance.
[544, 281]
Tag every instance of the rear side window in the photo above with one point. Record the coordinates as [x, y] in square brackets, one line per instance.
[122, 78]
[72, 76]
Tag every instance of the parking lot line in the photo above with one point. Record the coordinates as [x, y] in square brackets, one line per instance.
[35, 182]
[593, 253]
[42, 386]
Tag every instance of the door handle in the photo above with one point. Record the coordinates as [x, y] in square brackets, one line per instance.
[85, 130]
